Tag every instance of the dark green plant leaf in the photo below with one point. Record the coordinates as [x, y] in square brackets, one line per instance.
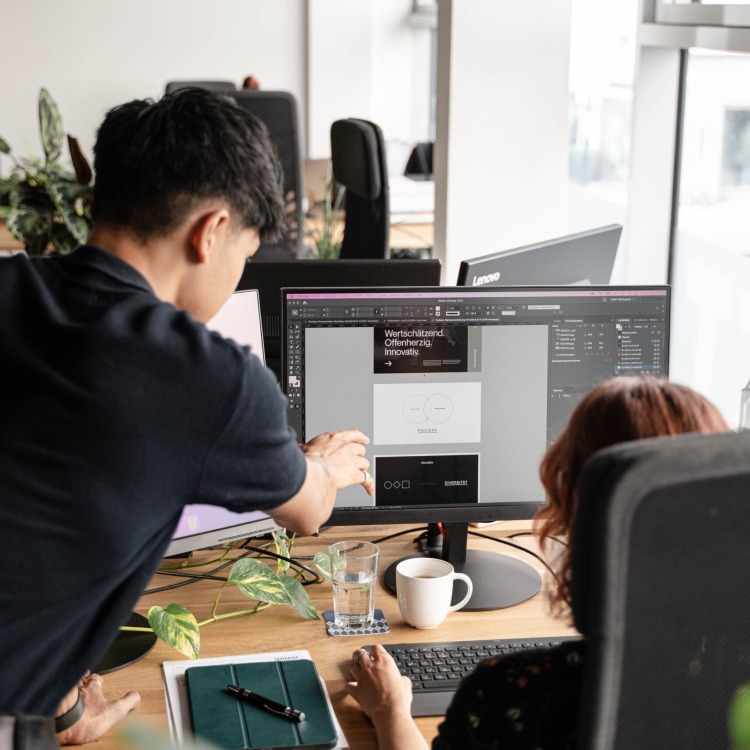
[299, 598]
[72, 203]
[64, 191]
[257, 581]
[62, 240]
[177, 627]
[38, 245]
[29, 226]
[50, 126]
[4, 147]
[80, 163]
[323, 563]
[6, 188]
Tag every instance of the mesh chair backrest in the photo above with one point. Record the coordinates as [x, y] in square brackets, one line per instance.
[661, 588]
[278, 112]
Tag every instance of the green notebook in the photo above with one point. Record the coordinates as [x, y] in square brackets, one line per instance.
[235, 724]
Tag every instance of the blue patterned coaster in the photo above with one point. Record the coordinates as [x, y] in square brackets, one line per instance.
[379, 625]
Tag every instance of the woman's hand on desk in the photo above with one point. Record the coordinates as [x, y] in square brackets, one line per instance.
[344, 454]
[385, 696]
[100, 714]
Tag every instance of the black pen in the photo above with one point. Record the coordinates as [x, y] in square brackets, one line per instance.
[270, 705]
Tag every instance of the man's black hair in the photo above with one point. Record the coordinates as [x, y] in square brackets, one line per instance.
[155, 162]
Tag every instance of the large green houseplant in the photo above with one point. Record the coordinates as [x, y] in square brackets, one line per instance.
[45, 203]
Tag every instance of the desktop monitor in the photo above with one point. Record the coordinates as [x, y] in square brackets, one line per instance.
[576, 259]
[202, 526]
[269, 276]
[461, 390]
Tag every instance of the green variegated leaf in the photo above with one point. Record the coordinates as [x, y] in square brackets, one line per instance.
[177, 627]
[281, 541]
[257, 581]
[71, 201]
[62, 239]
[300, 600]
[323, 563]
[50, 126]
[4, 147]
[26, 223]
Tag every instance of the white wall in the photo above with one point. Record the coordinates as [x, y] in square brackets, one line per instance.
[345, 57]
[366, 60]
[502, 129]
[93, 54]
[339, 67]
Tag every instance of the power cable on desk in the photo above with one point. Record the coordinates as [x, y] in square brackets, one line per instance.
[211, 575]
[531, 533]
[401, 533]
[292, 561]
[193, 577]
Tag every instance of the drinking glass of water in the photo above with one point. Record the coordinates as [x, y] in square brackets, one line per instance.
[354, 569]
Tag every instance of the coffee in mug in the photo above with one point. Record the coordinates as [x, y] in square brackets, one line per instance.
[424, 587]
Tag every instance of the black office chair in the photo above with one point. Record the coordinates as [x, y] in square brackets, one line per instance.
[661, 589]
[278, 110]
[359, 164]
[220, 87]
[419, 164]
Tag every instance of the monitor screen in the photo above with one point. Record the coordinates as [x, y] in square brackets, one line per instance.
[577, 259]
[269, 276]
[460, 390]
[203, 526]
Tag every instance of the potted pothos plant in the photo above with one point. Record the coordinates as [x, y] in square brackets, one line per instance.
[45, 203]
[176, 625]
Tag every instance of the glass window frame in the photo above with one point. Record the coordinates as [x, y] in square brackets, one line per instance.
[697, 14]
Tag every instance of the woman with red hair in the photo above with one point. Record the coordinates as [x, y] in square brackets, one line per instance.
[531, 699]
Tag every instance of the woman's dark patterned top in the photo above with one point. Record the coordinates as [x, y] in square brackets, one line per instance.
[528, 701]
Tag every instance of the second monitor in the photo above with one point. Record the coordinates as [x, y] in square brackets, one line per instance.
[268, 277]
[573, 260]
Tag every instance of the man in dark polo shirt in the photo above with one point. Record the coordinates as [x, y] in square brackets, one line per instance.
[118, 406]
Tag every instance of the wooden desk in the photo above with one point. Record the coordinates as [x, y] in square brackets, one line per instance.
[280, 628]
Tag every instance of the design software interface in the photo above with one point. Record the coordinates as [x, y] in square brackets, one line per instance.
[460, 390]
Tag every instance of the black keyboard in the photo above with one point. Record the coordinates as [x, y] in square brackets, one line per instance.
[436, 669]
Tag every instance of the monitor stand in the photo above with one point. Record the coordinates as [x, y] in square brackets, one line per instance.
[128, 646]
[499, 581]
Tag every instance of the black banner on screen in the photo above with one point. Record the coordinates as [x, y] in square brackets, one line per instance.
[427, 480]
[420, 349]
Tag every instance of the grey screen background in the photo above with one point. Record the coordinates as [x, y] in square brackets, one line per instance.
[339, 393]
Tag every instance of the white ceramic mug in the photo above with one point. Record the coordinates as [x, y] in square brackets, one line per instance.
[424, 587]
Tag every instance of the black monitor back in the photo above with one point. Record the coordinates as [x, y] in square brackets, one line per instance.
[270, 276]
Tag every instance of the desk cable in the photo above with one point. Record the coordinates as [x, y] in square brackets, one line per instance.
[192, 577]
